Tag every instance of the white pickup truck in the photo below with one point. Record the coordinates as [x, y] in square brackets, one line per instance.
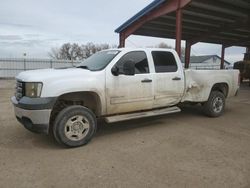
[117, 85]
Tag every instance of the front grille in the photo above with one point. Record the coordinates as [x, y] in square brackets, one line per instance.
[19, 90]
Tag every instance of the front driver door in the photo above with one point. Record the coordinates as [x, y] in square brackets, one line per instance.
[130, 93]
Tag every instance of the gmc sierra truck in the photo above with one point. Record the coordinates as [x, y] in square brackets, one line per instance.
[117, 85]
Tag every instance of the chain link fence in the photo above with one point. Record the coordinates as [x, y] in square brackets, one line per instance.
[10, 67]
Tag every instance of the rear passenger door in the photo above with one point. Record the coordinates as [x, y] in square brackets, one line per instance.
[168, 79]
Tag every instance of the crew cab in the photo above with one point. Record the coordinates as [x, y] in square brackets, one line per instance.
[117, 85]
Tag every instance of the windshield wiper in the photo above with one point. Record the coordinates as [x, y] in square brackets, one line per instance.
[83, 67]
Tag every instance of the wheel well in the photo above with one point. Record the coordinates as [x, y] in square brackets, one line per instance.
[90, 100]
[222, 87]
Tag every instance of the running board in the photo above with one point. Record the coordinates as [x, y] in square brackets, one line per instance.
[138, 115]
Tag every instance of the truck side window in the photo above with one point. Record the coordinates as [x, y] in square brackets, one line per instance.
[140, 59]
[164, 61]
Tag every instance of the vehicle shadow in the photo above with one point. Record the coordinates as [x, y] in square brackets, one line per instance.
[245, 85]
[113, 128]
[23, 139]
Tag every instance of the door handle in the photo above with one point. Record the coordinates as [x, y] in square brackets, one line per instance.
[176, 78]
[146, 81]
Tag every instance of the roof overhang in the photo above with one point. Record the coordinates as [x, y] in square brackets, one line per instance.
[224, 22]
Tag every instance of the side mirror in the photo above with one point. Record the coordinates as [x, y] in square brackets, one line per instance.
[129, 68]
[115, 71]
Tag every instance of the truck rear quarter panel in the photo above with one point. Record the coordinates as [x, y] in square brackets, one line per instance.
[199, 83]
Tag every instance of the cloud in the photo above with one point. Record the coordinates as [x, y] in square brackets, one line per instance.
[32, 35]
[35, 27]
[15, 25]
[10, 37]
[232, 58]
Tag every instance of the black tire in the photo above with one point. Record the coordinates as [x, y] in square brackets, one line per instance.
[215, 105]
[61, 127]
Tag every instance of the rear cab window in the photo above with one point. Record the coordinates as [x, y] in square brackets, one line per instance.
[164, 61]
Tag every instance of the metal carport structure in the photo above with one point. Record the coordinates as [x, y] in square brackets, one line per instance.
[225, 22]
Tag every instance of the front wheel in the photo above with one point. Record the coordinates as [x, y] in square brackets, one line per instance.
[215, 105]
[74, 126]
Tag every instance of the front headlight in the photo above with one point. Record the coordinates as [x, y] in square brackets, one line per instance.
[33, 89]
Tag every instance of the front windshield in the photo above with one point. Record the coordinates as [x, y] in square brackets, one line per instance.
[99, 60]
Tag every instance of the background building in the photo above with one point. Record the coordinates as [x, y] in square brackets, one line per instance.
[207, 62]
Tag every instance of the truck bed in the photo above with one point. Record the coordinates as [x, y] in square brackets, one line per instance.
[199, 83]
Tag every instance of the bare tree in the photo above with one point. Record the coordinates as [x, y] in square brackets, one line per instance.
[164, 45]
[91, 48]
[88, 49]
[54, 53]
[64, 52]
[75, 51]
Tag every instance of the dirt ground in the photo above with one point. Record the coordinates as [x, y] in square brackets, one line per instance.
[179, 150]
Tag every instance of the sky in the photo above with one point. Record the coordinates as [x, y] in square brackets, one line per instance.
[34, 27]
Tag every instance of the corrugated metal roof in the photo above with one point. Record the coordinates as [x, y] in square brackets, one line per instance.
[202, 58]
[143, 12]
[216, 21]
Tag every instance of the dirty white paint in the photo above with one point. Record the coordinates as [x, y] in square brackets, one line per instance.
[57, 82]
[200, 82]
[121, 94]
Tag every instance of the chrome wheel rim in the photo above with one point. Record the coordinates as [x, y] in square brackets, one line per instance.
[217, 104]
[76, 128]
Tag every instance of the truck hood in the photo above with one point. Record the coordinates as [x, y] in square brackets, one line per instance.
[57, 82]
[43, 75]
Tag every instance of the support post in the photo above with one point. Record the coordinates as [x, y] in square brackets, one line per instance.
[187, 54]
[247, 54]
[121, 40]
[178, 31]
[222, 56]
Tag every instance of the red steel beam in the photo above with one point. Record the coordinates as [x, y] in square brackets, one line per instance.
[222, 56]
[187, 54]
[121, 40]
[178, 30]
[168, 7]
